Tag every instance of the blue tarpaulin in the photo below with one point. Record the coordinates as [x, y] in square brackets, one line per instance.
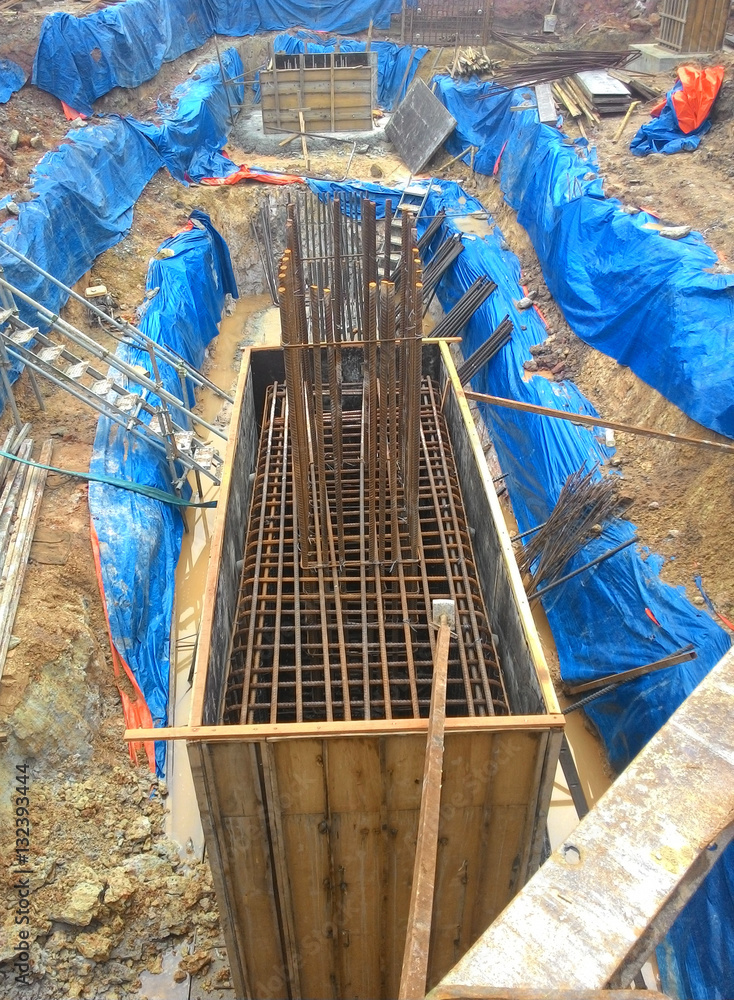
[664, 135]
[140, 538]
[671, 321]
[393, 75]
[84, 191]
[12, 78]
[599, 619]
[81, 58]
[193, 127]
[84, 196]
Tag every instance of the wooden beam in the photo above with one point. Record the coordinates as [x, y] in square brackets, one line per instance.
[602, 902]
[371, 727]
[586, 421]
[415, 957]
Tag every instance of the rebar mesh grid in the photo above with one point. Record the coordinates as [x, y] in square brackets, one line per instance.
[350, 638]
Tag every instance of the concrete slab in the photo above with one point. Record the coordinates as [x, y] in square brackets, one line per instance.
[655, 58]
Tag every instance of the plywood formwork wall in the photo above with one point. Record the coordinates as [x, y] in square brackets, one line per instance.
[335, 92]
[311, 827]
[693, 25]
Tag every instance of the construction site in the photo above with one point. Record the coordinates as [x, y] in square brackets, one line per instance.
[366, 467]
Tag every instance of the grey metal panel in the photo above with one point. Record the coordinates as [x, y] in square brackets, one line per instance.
[419, 126]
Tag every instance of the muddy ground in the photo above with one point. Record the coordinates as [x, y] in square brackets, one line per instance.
[111, 895]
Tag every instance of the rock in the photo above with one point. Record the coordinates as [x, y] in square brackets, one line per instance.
[697, 599]
[654, 505]
[81, 907]
[179, 976]
[536, 349]
[673, 533]
[13, 208]
[146, 866]
[558, 368]
[7, 156]
[139, 829]
[14, 642]
[376, 170]
[37, 142]
[96, 946]
[531, 365]
[119, 889]
[524, 303]
[196, 963]
[14, 138]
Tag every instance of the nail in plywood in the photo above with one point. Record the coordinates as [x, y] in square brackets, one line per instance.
[419, 126]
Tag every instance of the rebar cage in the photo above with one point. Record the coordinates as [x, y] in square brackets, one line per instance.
[357, 521]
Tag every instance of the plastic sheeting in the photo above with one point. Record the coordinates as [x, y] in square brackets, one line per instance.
[12, 78]
[84, 191]
[139, 538]
[671, 321]
[681, 120]
[396, 64]
[84, 195]
[599, 619]
[80, 59]
[193, 128]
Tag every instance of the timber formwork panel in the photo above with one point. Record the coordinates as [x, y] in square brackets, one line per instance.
[333, 91]
[693, 25]
[311, 826]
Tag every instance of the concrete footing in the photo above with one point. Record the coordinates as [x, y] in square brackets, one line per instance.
[653, 58]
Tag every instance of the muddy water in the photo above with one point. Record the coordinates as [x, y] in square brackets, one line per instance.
[254, 321]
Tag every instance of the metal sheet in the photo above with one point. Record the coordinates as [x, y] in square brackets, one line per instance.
[419, 126]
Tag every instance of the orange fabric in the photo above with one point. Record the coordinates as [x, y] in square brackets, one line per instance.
[135, 709]
[70, 113]
[244, 173]
[693, 103]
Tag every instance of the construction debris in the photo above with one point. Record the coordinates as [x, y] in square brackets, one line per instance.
[471, 62]
[419, 126]
[545, 67]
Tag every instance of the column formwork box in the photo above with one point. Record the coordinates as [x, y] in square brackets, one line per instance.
[311, 826]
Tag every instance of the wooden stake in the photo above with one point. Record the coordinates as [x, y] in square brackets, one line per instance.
[304, 146]
[415, 957]
[620, 130]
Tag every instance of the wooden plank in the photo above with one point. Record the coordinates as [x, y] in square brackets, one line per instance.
[415, 960]
[353, 779]
[215, 551]
[16, 557]
[300, 771]
[332, 91]
[599, 905]
[199, 758]
[372, 727]
[509, 563]
[279, 855]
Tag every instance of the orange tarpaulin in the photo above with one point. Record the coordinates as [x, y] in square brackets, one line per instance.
[693, 102]
[245, 173]
[134, 706]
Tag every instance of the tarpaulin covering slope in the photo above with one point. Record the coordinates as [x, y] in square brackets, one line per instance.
[140, 538]
[84, 195]
[12, 78]
[681, 119]
[671, 321]
[84, 191]
[396, 64]
[599, 620]
[193, 127]
[81, 58]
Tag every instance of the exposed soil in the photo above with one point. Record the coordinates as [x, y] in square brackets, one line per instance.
[111, 894]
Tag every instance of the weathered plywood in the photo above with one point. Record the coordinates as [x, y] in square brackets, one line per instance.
[313, 842]
[419, 126]
[330, 96]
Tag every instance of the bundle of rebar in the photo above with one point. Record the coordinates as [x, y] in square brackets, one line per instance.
[454, 321]
[484, 354]
[545, 67]
[586, 501]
